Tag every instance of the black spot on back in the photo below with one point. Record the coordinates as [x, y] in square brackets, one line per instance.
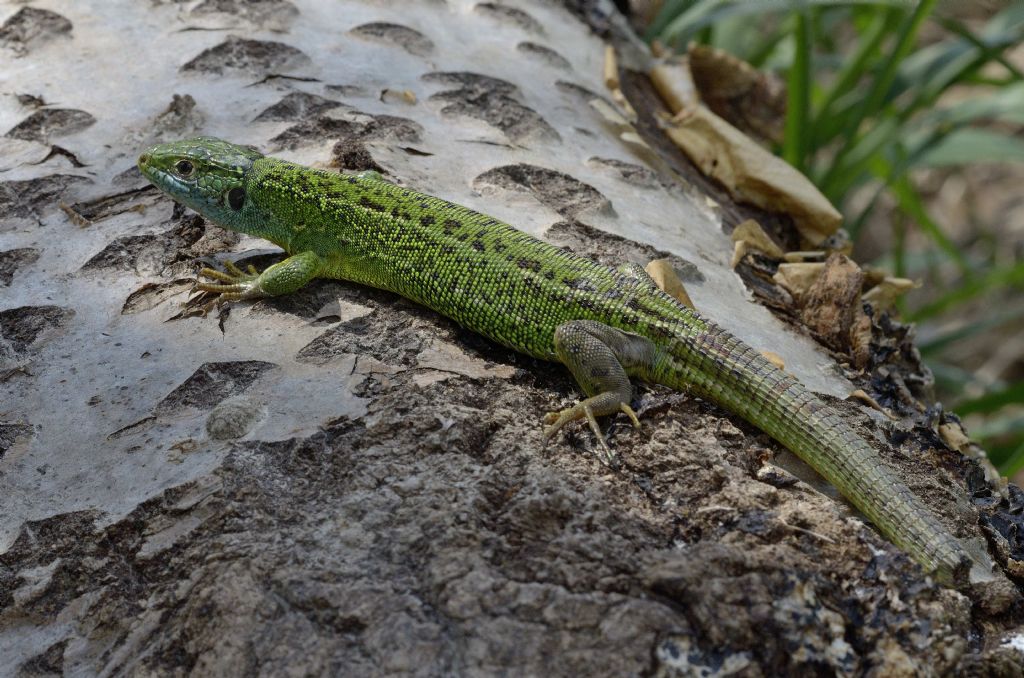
[369, 204]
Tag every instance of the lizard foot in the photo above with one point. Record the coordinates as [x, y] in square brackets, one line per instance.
[234, 285]
[583, 410]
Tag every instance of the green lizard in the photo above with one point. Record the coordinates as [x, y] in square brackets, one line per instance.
[604, 324]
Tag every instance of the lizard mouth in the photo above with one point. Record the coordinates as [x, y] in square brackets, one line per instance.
[145, 161]
[145, 166]
[150, 166]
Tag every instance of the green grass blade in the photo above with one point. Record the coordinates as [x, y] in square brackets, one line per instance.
[959, 29]
[992, 401]
[1003, 439]
[995, 428]
[853, 164]
[1003, 276]
[910, 202]
[1005, 104]
[687, 23]
[934, 345]
[972, 146]
[879, 91]
[961, 69]
[1014, 462]
[681, 28]
[827, 124]
[933, 69]
[670, 10]
[855, 224]
[799, 94]
[950, 378]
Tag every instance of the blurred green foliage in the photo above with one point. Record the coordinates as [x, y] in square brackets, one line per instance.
[866, 109]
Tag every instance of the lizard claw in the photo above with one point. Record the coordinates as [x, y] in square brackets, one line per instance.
[582, 410]
[234, 285]
[628, 411]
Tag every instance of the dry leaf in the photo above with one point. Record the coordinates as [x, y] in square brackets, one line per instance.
[884, 294]
[833, 311]
[801, 256]
[665, 277]
[955, 437]
[798, 278]
[674, 84]
[860, 337]
[611, 81]
[752, 174]
[873, 276]
[611, 68]
[753, 101]
[750, 237]
[774, 359]
[619, 98]
[398, 96]
[953, 434]
[861, 395]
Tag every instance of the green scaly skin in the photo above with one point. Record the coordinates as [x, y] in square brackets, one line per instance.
[604, 324]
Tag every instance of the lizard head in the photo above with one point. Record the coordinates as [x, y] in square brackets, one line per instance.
[204, 173]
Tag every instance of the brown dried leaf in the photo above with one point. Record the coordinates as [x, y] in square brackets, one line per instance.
[774, 359]
[884, 294]
[665, 277]
[398, 96]
[833, 311]
[750, 237]
[955, 437]
[674, 84]
[861, 395]
[751, 174]
[611, 81]
[611, 68]
[619, 98]
[798, 278]
[803, 256]
[860, 336]
[753, 101]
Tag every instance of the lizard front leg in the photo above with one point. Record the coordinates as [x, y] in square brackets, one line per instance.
[601, 358]
[282, 278]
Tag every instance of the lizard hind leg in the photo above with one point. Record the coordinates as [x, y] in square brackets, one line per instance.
[601, 358]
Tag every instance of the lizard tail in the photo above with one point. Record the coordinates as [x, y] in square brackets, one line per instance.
[723, 369]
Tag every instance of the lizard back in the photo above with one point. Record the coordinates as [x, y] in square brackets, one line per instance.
[489, 276]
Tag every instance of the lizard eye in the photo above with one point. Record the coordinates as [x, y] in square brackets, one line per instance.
[184, 168]
[236, 198]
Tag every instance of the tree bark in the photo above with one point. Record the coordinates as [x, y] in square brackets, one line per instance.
[342, 482]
